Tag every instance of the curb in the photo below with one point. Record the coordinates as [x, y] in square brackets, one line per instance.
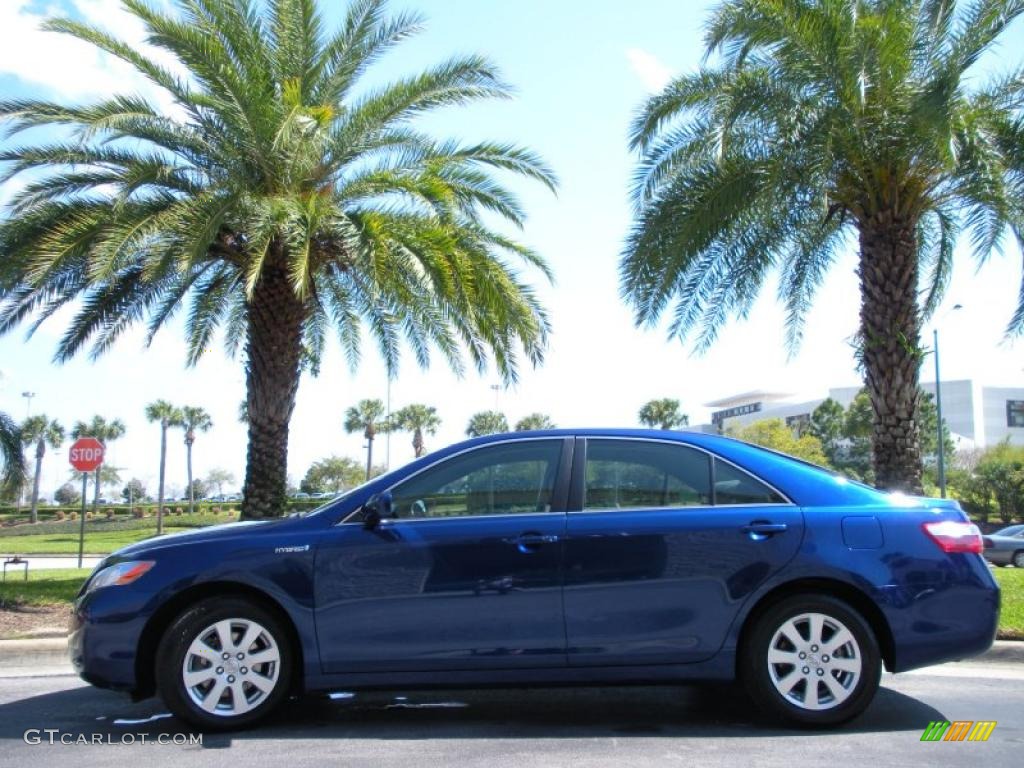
[37, 657]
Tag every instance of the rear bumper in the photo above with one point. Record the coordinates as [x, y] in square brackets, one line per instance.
[943, 619]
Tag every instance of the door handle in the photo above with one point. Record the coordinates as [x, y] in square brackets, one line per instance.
[531, 541]
[762, 529]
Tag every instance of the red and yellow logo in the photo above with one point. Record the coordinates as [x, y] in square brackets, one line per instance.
[958, 730]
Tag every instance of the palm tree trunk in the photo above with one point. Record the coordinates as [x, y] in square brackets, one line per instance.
[369, 455]
[96, 491]
[40, 450]
[417, 442]
[191, 491]
[273, 349]
[890, 337]
[160, 492]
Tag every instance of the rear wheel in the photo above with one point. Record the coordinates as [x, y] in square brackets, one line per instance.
[224, 663]
[811, 660]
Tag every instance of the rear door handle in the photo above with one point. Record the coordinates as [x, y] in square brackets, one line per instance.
[532, 541]
[760, 529]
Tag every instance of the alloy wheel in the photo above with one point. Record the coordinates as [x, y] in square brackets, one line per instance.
[814, 661]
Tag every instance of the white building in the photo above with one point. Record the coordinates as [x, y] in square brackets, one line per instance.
[977, 414]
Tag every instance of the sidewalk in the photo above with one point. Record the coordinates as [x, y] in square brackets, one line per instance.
[42, 562]
[48, 657]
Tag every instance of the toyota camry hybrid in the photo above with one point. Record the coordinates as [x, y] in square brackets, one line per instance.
[547, 558]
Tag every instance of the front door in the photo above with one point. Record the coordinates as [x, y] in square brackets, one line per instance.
[663, 544]
[467, 574]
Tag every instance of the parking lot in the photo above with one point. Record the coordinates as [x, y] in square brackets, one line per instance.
[698, 725]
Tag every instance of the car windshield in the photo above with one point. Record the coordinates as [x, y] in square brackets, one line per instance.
[1013, 530]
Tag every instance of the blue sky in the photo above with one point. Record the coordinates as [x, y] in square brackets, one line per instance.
[580, 70]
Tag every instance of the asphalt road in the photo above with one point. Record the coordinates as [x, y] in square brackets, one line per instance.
[698, 725]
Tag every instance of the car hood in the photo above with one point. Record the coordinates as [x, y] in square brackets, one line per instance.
[197, 535]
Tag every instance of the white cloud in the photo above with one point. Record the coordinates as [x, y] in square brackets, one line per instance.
[652, 73]
[69, 67]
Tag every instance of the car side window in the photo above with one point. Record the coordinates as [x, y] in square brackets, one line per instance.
[505, 479]
[631, 474]
[734, 486]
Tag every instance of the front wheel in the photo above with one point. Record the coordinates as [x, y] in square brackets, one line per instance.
[223, 663]
[1018, 559]
[811, 660]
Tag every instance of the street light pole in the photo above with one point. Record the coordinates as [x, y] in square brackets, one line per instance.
[940, 454]
[28, 402]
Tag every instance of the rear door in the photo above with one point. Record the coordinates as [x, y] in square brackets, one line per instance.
[467, 575]
[663, 543]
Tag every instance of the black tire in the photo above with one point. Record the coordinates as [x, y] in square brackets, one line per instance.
[1018, 559]
[192, 624]
[757, 674]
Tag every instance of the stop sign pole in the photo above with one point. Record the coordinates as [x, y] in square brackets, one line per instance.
[86, 455]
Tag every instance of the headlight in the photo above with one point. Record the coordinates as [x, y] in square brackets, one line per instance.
[120, 574]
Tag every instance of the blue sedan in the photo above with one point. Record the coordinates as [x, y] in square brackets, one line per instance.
[556, 557]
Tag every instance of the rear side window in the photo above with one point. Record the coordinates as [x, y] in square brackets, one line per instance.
[632, 474]
[734, 486]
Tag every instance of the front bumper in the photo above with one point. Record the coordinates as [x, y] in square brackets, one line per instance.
[103, 640]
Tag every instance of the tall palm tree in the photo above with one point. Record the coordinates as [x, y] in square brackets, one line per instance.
[820, 123]
[281, 197]
[662, 414]
[417, 419]
[12, 462]
[42, 432]
[486, 423]
[104, 431]
[367, 416]
[167, 415]
[534, 421]
[192, 419]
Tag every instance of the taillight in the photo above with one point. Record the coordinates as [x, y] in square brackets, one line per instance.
[953, 536]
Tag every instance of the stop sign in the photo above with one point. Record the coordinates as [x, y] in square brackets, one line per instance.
[86, 454]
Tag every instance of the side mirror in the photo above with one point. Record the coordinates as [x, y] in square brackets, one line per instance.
[376, 508]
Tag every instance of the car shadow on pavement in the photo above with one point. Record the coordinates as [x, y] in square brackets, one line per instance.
[705, 711]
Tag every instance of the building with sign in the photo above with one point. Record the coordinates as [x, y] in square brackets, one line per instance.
[977, 414]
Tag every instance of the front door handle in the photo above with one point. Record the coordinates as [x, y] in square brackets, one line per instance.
[531, 541]
[759, 530]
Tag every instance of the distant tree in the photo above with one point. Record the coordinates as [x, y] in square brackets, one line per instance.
[533, 422]
[109, 475]
[134, 491]
[418, 419]
[827, 424]
[40, 431]
[663, 414]
[334, 474]
[367, 416]
[67, 495]
[219, 478]
[192, 419]
[12, 461]
[104, 431]
[774, 434]
[1001, 473]
[166, 415]
[928, 421]
[486, 423]
[197, 490]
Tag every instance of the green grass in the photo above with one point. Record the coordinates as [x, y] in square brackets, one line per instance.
[1011, 619]
[45, 587]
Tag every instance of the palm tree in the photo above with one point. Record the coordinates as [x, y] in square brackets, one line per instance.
[486, 423]
[42, 431]
[280, 198]
[820, 122]
[192, 418]
[534, 421]
[417, 419]
[12, 462]
[104, 431]
[168, 416]
[367, 416]
[662, 414]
